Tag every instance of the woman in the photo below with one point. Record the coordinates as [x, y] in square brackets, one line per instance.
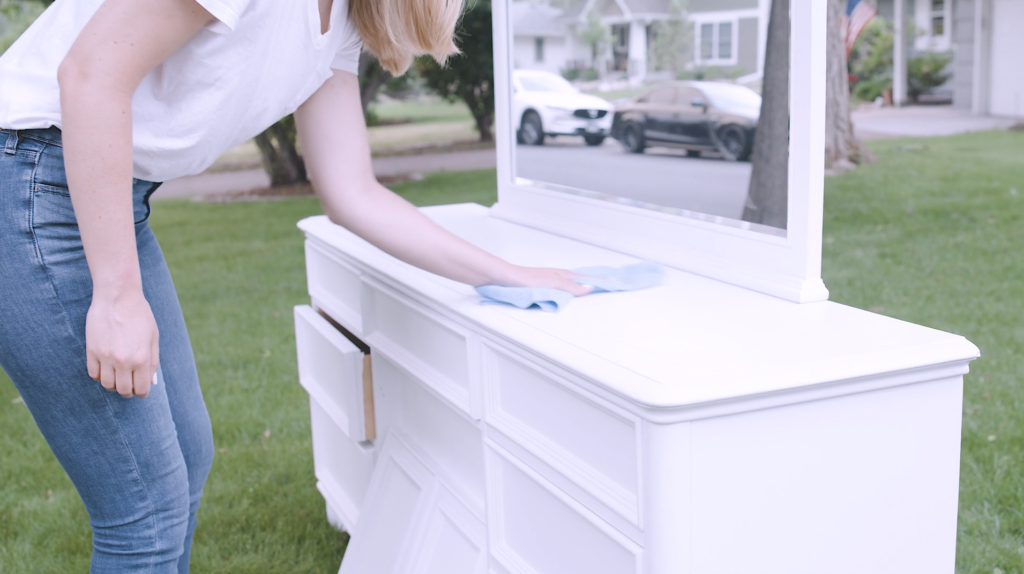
[98, 100]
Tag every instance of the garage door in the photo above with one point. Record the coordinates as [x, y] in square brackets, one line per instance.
[1007, 90]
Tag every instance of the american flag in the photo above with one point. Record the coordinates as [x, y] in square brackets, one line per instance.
[858, 14]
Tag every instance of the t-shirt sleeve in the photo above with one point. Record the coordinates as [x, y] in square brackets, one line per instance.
[347, 58]
[227, 12]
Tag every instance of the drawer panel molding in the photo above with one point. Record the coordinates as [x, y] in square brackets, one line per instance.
[430, 346]
[335, 372]
[535, 528]
[335, 286]
[414, 524]
[444, 433]
[342, 467]
[592, 443]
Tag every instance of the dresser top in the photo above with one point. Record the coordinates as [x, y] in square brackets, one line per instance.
[689, 341]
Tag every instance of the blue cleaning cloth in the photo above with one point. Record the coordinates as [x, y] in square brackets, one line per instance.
[603, 279]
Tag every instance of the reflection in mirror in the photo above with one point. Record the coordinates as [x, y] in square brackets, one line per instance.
[680, 106]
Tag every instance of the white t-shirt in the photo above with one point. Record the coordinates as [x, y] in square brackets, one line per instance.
[254, 65]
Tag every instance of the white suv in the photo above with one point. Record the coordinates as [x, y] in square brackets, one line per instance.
[545, 104]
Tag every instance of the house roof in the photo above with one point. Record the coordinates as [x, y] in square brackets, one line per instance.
[579, 9]
[649, 6]
[536, 19]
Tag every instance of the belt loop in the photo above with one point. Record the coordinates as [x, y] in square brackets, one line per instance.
[11, 147]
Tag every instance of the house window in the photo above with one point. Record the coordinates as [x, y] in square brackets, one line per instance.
[538, 49]
[938, 16]
[933, 19]
[716, 43]
[725, 41]
[707, 41]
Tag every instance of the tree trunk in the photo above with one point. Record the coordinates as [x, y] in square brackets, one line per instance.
[843, 151]
[483, 114]
[483, 125]
[278, 148]
[372, 77]
[768, 196]
[280, 156]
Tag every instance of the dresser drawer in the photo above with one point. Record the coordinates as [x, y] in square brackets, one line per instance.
[585, 440]
[336, 373]
[343, 467]
[428, 345]
[414, 523]
[444, 433]
[535, 528]
[335, 287]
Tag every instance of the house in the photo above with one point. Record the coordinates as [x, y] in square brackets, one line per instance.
[985, 38]
[541, 37]
[726, 34]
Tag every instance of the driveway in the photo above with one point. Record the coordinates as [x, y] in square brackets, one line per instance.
[660, 176]
[233, 182]
[873, 123]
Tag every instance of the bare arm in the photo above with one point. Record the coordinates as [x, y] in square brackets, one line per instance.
[337, 152]
[118, 47]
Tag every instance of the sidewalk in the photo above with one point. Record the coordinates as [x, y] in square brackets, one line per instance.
[873, 123]
[230, 182]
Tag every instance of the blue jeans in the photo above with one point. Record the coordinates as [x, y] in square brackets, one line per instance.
[138, 464]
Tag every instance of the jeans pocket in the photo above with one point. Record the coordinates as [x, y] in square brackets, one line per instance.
[54, 226]
[141, 192]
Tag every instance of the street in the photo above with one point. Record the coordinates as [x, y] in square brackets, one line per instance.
[660, 176]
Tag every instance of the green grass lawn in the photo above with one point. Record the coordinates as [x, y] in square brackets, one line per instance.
[239, 271]
[931, 233]
[430, 111]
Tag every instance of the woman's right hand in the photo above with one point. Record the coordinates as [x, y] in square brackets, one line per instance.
[122, 343]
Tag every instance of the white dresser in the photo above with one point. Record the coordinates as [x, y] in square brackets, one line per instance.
[695, 427]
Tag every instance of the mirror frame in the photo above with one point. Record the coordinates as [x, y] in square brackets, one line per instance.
[788, 267]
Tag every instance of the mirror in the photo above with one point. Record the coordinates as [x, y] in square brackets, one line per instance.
[678, 106]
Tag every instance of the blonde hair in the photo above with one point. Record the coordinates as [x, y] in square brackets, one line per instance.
[396, 31]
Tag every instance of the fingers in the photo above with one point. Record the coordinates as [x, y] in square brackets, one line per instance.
[141, 380]
[154, 355]
[122, 344]
[93, 365]
[107, 376]
[124, 383]
[577, 289]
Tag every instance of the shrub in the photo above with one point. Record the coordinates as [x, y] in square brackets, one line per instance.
[871, 60]
[575, 73]
[927, 71]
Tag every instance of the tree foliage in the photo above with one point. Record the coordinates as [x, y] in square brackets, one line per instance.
[671, 46]
[15, 17]
[596, 35]
[468, 76]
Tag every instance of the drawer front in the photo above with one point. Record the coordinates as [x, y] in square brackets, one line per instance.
[336, 373]
[453, 540]
[444, 433]
[343, 467]
[433, 348]
[535, 528]
[335, 287]
[413, 523]
[591, 443]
